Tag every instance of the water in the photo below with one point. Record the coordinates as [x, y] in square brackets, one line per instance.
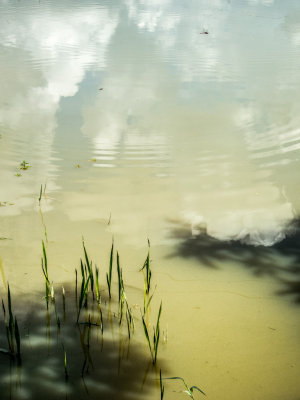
[142, 126]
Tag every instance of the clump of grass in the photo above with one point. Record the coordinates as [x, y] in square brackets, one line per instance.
[109, 274]
[188, 390]
[12, 328]
[153, 347]
[146, 268]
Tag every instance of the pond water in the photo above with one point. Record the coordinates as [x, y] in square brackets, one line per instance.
[166, 120]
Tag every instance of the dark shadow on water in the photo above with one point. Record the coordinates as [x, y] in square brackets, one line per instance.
[108, 366]
[280, 261]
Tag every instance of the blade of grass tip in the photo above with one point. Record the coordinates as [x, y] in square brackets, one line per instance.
[40, 193]
[184, 382]
[89, 267]
[199, 390]
[111, 259]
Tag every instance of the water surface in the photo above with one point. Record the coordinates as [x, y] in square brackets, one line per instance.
[142, 125]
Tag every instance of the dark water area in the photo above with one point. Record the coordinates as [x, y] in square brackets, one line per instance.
[280, 261]
[98, 365]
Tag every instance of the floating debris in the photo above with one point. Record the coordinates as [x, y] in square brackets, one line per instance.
[24, 165]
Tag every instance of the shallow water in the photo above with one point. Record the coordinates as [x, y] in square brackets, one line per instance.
[141, 126]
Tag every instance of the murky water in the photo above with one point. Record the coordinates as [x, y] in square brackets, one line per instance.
[168, 120]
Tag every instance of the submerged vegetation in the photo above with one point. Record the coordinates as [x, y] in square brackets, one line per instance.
[93, 314]
[188, 390]
[88, 316]
[12, 330]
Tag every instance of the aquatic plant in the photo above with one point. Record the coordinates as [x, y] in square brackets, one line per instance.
[146, 267]
[153, 347]
[162, 388]
[24, 165]
[89, 268]
[41, 192]
[45, 273]
[147, 303]
[83, 295]
[98, 295]
[109, 274]
[66, 368]
[12, 328]
[64, 299]
[188, 390]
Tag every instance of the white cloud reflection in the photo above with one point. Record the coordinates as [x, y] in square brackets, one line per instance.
[170, 95]
[48, 52]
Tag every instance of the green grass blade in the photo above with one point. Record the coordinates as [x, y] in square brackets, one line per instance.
[89, 267]
[45, 259]
[41, 193]
[147, 336]
[162, 389]
[83, 294]
[109, 276]
[98, 295]
[18, 339]
[199, 390]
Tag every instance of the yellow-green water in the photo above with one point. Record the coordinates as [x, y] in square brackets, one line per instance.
[193, 141]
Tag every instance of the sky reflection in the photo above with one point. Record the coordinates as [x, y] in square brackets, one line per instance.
[214, 114]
